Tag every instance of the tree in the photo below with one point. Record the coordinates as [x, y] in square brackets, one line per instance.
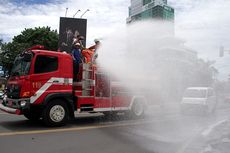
[1, 45]
[28, 38]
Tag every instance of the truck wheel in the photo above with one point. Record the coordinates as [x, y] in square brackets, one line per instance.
[32, 115]
[56, 113]
[137, 110]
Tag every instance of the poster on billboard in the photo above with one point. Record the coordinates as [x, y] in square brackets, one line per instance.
[69, 29]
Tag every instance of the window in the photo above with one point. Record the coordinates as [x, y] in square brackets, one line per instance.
[195, 93]
[44, 64]
[146, 14]
[146, 2]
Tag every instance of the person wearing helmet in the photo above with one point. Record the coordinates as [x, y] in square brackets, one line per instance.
[97, 44]
[95, 47]
[79, 39]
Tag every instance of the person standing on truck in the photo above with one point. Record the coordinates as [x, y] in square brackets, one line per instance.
[76, 54]
[95, 48]
[87, 54]
[79, 40]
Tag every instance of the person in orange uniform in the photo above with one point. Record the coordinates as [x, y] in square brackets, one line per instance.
[90, 54]
[95, 48]
[87, 54]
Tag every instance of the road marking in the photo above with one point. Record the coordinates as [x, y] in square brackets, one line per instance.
[3, 113]
[70, 129]
[183, 148]
[207, 131]
[200, 132]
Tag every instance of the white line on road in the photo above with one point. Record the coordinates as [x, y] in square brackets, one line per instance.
[200, 132]
[72, 129]
[210, 128]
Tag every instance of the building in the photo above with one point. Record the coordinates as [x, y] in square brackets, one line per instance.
[175, 63]
[147, 9]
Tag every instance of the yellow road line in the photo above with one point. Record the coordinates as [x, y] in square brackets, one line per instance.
[68, 129]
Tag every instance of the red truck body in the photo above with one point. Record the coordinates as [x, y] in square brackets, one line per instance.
[41, 87]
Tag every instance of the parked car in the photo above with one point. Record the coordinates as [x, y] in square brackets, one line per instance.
[199, 100]
[1, 94]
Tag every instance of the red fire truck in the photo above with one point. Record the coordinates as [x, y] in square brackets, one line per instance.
[41, 86]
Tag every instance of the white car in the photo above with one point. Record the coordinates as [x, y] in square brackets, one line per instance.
[199, 99]
[1, 94]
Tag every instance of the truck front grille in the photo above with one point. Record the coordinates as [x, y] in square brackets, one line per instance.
[13, 91]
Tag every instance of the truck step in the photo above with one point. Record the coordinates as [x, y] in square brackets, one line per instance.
[88, 70]
[88, 89]
[86, 107]
[78, 92]
[86, 97]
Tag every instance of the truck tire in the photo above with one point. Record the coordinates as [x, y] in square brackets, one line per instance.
[137, 109]
[56, 113]
[32, 115]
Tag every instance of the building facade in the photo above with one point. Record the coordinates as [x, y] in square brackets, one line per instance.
[177, 63]
[147, 9]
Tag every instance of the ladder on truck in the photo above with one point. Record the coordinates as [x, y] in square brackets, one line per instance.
[86, 93]
[87, 80]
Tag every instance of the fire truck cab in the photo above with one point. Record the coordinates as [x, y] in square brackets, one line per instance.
[41, 87]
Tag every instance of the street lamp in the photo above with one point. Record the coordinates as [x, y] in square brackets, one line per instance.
[76, 13]
[66, 9]
[84, 13]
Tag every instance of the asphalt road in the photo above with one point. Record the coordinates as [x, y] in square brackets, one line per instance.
[164, 130]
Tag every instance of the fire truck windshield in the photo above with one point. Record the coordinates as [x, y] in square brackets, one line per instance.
[21, 65]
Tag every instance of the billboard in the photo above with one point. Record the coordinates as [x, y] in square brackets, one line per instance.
[69, 29]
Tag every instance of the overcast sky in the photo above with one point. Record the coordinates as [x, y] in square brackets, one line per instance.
[203, 24]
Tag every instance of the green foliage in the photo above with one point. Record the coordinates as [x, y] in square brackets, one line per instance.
[28, 38]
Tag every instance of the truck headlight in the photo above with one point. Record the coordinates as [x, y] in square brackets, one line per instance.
[4, 97]
[23, 103]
